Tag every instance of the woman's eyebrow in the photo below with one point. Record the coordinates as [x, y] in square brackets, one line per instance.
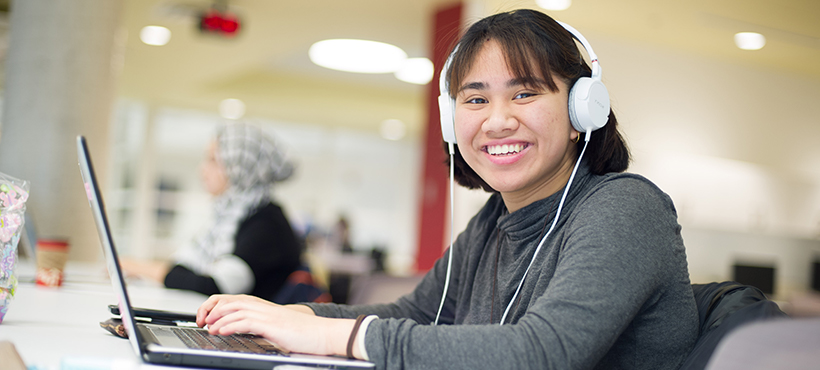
[515, 82]
[523, 81]
[473, 86]
[526, 81]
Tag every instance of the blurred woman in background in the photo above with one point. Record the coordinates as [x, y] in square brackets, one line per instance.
[250, 247]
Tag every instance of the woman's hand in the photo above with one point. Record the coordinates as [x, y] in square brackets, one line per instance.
[150, 270]
[291, 327]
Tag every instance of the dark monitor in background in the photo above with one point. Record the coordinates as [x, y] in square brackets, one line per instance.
[761, 277]
[815, 275]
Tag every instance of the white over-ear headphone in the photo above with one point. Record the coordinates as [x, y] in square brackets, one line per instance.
[447, 104]
[588, 98]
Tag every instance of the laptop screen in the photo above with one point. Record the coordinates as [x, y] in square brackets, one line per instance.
[95, 201]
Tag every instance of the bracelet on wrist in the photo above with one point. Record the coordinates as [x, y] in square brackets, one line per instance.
[353, 333]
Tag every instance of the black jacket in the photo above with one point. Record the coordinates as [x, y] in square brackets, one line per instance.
[266, 242]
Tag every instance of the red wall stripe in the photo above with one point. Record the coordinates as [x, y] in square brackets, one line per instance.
[433, 203]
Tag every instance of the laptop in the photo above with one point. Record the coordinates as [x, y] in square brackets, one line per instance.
[187, 346]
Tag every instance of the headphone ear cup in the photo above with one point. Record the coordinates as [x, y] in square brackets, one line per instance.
[588, 104]
[448, 122]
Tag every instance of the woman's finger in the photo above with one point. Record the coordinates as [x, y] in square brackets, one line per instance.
[205, 308]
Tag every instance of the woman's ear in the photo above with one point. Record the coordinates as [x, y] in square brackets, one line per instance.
[574, 136]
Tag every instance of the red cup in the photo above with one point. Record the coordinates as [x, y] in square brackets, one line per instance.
[52, 255]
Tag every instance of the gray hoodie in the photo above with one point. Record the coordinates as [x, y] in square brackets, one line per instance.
[608, 290]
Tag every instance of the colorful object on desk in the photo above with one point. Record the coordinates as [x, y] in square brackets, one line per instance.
[5, 300]
[52, 255]
[50, 277]
[13, 196]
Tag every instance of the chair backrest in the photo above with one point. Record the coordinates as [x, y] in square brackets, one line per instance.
[301, 287]
[723, 307]
[770, 344]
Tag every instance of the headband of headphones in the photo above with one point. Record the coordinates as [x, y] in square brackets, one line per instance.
[588, 97]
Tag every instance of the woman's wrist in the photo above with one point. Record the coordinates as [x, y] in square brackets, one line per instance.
[339, 336]
[305, 309]
[351, 340]
[354, 344]
[345, 337]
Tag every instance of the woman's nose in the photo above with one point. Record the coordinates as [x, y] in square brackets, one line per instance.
[500, 122]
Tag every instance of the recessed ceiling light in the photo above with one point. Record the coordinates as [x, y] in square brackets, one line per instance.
[231, 109]
[359, 56]
[416, 71]
[392, 129]
[750, 40]
[155, 35]
[554, 4]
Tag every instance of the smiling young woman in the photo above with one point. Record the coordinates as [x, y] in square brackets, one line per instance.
[571, 264]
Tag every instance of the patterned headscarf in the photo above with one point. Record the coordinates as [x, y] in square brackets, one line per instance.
[250, 157]
[253, 162]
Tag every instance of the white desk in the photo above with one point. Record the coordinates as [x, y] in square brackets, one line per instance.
[50, 326]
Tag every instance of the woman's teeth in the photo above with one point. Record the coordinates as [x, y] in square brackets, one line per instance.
[504, 149]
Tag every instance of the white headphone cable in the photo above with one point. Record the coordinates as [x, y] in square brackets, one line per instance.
[554, 221]
[452, 241]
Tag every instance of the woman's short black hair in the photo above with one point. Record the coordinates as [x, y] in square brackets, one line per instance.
[534, 45]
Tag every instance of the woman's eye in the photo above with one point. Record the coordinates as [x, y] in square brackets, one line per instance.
[524, 95]
[476, 101]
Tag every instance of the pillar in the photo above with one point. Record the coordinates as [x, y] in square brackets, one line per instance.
[433, 211]
[60, 72]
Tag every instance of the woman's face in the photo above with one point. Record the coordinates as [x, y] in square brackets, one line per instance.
[517, 138]
[213, 172]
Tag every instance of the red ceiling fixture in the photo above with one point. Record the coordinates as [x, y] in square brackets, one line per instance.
[219, 21]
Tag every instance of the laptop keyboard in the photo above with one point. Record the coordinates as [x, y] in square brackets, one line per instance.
[246, 343]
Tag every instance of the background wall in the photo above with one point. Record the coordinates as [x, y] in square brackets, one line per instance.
[731, 135]
[735, 147]
[347, 173]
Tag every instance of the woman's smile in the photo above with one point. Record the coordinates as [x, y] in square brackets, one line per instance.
[508, 153]
[506, 149]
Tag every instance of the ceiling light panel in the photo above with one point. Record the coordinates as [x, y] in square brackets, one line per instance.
[750, 40]
[360, 56]
[554, 4]
[416, 71]
[155, 35]
[232, 108]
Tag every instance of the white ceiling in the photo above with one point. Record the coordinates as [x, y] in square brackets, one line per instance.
[267, 65]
